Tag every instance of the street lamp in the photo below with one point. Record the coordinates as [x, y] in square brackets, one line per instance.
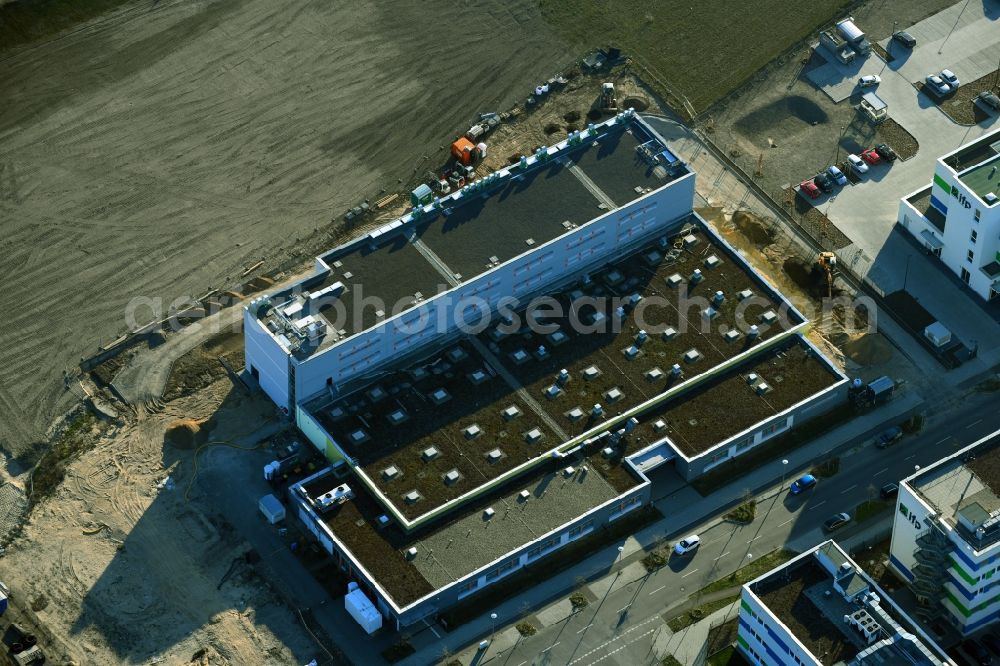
[493, 626]
[784, 468]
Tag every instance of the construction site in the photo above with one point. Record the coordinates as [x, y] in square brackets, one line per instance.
[448, 460]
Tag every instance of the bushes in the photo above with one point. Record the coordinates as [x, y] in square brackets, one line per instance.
[398, 651]
[526, 629]
[744, 513]
[579, 601]
[653, 561]
[827, 468]
[913, 424]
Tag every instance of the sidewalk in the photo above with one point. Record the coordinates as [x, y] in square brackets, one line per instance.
[684, 509]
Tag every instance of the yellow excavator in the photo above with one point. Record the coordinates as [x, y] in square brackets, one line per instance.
[828, 262]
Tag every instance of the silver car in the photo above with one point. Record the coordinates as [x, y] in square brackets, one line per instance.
[857, 164]
[950, 78]
[937, 84]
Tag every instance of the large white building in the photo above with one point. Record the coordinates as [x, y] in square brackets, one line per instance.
[822, 609]
[957, 217]
[946, 536]
[460, 458]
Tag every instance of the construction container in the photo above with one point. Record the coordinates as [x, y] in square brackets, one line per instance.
[937, 334]
[464, 151]
[362, 610]
[421, 196]
[272, 508]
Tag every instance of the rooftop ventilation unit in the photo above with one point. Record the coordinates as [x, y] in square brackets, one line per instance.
[334, 497]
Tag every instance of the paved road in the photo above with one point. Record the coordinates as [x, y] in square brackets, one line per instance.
[626, 625]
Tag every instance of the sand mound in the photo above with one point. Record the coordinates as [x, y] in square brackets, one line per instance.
[751, 226]
[868, 350]
[184, 434]
[637, 103]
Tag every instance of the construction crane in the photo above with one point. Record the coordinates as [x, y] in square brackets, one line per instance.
[828, 262]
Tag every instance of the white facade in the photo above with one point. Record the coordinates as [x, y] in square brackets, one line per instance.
[936, 560]
[288, 380]
[971, 237]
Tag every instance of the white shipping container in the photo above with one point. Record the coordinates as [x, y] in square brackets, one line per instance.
[272, 509]
[362, 610]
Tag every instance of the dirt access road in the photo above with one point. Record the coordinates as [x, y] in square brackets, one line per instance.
[166, 147]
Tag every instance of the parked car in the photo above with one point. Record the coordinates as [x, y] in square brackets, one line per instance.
[888, 491]
[687, 545]
[904, 38]
[992, 642]
[871, 156]
[888, 437]
[950, 78]
[823, 182]
[857, 164]
[976, 651]
[836, 521]
[885, 152]
[809, 189]
[869, 80]
[837, 175]
[802, 484]
[987, 98]
[937, 85]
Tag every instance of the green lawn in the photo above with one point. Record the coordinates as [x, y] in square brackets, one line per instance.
[703, 50]
[699, 613]
[727, 657]
[758, 566]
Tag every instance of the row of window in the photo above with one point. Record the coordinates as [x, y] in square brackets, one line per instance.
[759, 639]
[748, 441]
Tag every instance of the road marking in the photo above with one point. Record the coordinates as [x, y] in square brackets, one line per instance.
[818, 504]
[755, 538]
[942, 441]
[655, 618]
[584, 629]
[881, 471]
[551, 646]
[847, 490]
[976, 422]
[522, 663]
[657, 590]
[910, 457]
[723, 555]
[622, 610]
[689, 573]
[786, 522]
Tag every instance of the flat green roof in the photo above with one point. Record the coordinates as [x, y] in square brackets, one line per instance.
[984, 178]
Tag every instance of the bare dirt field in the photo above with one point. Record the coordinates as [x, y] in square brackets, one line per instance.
[166, 147]
[781, 125]
[120, 570]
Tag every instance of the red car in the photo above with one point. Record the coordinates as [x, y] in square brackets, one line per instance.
[871, 156]
[810, 189]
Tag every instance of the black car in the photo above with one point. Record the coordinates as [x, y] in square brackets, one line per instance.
[885, 152]
[992, 642]
[836, 521]
[904, 38]
[976, 651]
[823, 182]
[888, 491]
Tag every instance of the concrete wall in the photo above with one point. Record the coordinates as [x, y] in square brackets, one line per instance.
[484, 577]
[589, 245]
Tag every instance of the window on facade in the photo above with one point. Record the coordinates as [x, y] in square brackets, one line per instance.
[977, 215]
[745, 443]
[970, 256]
[544, 546]
[973, 236]
[580, 529]
[625, 505]
[467, 587]
[501, 570]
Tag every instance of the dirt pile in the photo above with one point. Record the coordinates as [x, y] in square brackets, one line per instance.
[867, 349]
[753, 228]
[185, 434]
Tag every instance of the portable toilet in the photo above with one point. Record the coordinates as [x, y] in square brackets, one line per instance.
[422, 195]
[464, 151]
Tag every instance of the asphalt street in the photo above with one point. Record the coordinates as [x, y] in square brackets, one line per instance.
[627, 625]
